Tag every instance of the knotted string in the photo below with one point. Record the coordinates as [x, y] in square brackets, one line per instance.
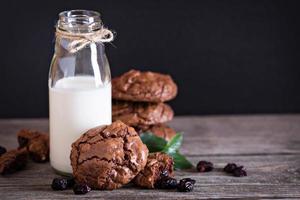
[80, 40]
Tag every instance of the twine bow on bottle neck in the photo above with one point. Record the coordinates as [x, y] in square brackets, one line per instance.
[79, 40]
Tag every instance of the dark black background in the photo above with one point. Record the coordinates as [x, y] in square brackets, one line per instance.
[226, 56]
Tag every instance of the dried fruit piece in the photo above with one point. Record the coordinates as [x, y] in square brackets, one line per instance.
[230, 167]
[59, 184]
[2, 150]
[204, 166]
[37, 144]
[235, 170]
[166, 183]
[81, 189]
[13, 161]
[70, 182]
[186, 185]
[239, 172]
[62, 183]
[189, 180]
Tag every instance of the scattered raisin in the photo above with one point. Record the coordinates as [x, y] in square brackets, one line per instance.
[235, 170]
[2, 150]
[62, 183]
[186, 185]
[59, 184]
[204, 166]
[166, 183]
[239, 172]
[188, 179]
[81, 189]
[230, 167]
[70, 182]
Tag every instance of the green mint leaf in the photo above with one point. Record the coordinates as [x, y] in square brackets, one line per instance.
[180, 162]
[154, 143]
[174, 144]
[157, 144]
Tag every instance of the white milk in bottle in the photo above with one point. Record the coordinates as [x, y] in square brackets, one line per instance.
[76, 105]
[79, 83]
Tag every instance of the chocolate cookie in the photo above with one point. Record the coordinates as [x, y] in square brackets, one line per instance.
[141, 114]
[36, 143]
[160, 130]
[144, 86]
[158, 165]
[13, 161]
[107, 157]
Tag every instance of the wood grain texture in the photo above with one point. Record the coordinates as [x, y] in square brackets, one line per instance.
[268, 146]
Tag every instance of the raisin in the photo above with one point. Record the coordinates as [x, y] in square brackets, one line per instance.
[204, 166]
[70, 182]
[239, 172]
[2, 150]
[81, 189]
[62, 183]
[186, 185]
[188, 179]
[166, 183]
[59, 184]
[230, 167]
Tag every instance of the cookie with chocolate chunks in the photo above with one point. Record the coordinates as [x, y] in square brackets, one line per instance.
[144, 87]
[107, 157]
[141, 114]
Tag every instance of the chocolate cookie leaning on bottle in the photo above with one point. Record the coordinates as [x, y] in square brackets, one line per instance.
[108, 157]
[160, 130]
[143, 87]
[138, 114]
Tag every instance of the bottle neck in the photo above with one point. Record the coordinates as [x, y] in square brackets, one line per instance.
[79, 21]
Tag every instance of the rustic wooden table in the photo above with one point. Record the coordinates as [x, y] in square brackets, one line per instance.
[268, 146]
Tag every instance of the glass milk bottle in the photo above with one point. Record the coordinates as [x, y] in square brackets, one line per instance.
[79, 83]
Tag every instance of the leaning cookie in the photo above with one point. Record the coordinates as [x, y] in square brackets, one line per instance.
[143, 87]
[158, 165]
[141, 114]
[160, 130]
[107, 157]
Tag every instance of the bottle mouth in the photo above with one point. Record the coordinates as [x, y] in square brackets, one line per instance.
[79, 21]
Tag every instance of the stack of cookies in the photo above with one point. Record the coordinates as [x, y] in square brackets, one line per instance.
[138, 101]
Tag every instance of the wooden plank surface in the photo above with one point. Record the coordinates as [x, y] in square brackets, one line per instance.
[268, 146]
